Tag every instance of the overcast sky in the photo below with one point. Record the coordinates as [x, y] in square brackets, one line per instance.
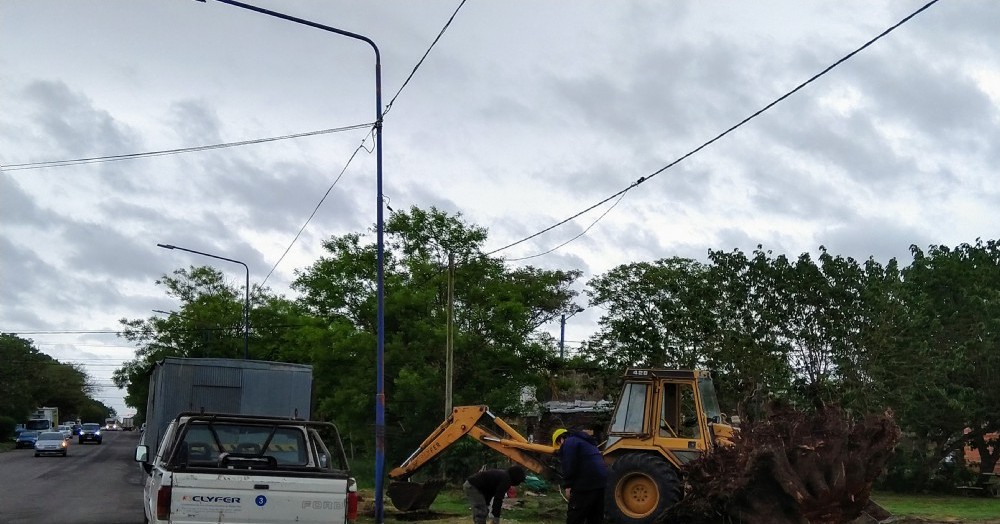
[523, 114]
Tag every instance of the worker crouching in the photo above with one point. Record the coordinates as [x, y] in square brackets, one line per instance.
[486, 490]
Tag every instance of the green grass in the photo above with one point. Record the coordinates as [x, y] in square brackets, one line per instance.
[450, 507]
[941, 507]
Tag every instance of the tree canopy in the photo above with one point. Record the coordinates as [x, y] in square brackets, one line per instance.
[30, 379]
[920, 340]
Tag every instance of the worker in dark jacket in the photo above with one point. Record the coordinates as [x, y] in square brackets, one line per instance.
[490, 485]
[584, 476]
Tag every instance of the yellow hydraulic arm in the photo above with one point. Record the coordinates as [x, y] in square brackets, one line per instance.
[464, 420]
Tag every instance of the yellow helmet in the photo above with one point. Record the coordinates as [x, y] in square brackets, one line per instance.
[556, 434]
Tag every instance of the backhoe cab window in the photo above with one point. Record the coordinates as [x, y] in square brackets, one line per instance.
[630, 414]
[709, 400]
[679, 412]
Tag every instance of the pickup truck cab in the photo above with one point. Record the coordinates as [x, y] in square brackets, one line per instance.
[248, 469]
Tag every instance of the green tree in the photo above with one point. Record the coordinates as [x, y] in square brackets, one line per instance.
[658, 314]
[31, 379]
[944, 375]
[751, 350]
[19, 393]
[768, 326]
[497, 314]
[209, 323]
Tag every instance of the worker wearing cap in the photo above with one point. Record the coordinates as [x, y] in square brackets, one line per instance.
[584, 475]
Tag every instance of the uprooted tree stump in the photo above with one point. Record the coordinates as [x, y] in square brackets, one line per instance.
[792, 467]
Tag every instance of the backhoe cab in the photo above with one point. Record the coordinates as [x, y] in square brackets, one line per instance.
[662, 420]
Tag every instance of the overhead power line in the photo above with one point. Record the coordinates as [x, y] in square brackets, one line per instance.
[709, 142]
[421, 61]
[147, 154]
[362, 145]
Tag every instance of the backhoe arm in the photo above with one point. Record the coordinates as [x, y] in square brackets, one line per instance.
[464, 420]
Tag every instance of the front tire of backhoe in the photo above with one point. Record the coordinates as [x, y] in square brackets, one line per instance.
[641, 486]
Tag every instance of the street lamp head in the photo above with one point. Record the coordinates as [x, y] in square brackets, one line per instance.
[166, 246]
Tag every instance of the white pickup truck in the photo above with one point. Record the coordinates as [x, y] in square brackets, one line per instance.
[223, 468]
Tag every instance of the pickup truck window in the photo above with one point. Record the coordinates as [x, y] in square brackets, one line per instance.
[204, 443]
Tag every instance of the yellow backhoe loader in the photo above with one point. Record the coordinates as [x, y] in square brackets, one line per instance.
[663, 419]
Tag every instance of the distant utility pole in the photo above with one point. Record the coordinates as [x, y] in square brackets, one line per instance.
[562, 331]
[449, 361]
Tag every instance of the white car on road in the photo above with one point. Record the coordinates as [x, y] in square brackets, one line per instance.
[67, 431]
[51, 442]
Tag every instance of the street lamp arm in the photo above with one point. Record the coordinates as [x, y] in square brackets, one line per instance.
[168, 246]
[306, 22]
[246, 301]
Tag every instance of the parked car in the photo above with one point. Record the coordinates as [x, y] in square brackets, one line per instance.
[91, 432]
[26, 439]
[51, 442]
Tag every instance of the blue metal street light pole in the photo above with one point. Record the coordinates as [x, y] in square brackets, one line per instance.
[246, 302]
[380, 347]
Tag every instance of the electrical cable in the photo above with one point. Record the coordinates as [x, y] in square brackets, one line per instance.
[720, 135]
[421, 61]
[313, 214]
[133, 156]
[363, 142]
[584, 232]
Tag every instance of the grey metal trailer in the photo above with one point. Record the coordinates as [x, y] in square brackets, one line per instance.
[219, 385]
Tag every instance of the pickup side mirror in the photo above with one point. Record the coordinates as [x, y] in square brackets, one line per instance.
[141, 453]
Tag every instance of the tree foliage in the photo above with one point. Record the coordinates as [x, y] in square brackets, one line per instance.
[209, 323]
[30, 379]
[943, 374]
[497, 314]
[920, 340]
[332, 325]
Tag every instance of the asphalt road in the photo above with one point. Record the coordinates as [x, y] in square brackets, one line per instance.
[92, 485]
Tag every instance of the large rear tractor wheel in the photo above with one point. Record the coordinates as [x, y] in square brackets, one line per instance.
[641, 486]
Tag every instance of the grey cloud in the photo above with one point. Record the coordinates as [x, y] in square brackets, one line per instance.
[195, 122]
[22, 276]
[279, 196]
[107, 252]
[939, 98]
[73, 125]
[780, 188]
[16, 206]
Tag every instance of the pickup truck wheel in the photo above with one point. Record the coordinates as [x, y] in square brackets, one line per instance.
[641, 486]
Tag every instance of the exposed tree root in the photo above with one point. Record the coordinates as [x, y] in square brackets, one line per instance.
[792, 467]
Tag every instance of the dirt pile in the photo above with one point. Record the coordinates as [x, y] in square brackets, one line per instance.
[791, 467]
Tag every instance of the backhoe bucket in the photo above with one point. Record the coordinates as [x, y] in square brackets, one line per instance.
[412, 496]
